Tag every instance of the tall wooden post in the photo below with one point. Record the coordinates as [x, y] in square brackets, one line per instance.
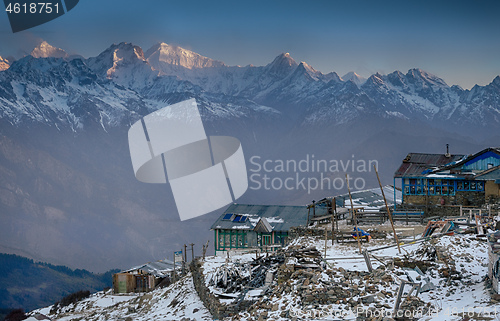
[192, 251]
[333, 208]
[173, 277]
[354, 215]
[205, 248]
[184, 261]
[326, 240]
[387, 209]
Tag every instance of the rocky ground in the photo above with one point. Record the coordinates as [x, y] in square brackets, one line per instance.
[300, 282]
[450, 269]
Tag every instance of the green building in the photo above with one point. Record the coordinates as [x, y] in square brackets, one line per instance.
[256, 226]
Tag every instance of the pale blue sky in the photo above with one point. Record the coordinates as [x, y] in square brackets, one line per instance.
[458, 41]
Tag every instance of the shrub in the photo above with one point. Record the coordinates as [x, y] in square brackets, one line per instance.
[74, 297]
[16, 315]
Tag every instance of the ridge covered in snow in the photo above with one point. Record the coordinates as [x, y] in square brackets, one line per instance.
[161, 56]
[284, 85]
[354, 77]
[45, 50]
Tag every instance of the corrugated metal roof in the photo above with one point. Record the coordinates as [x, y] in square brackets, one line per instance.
[280, 217]
[370, 197]
[416, 163]
[265, 225]
[159, 268]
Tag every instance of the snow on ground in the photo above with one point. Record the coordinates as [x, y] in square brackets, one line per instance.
[175, 302]
[465, 295]
[455, 265]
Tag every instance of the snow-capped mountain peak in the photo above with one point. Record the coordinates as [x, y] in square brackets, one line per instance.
[422, 77]
[496, 81]
[125, 54]
[303, 67]
[397, 78]
[354, 77]
[4, 64]
[45, 50]
[125, 64]
[162, 53]
[375, 79]
[282, 65]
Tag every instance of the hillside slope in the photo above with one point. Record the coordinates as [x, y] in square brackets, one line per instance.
[29, 285]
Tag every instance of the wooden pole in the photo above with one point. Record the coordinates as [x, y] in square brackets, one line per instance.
[185, 260]
[354, 215]
[388, 211]
[205, 248]
[173, 277]
[326, 239]
[367, 261]
[334, 219]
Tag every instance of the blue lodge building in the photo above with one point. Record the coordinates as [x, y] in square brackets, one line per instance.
[444, 179]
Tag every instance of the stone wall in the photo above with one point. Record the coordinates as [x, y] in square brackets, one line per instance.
[212, 302]
[298, 231]
[460, 198]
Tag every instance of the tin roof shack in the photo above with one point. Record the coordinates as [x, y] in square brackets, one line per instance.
[429, 180]
[143, 278]
[370, 199]
[244, 226]
[494, 260]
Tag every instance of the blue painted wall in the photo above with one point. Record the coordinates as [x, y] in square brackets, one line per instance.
[481, 162]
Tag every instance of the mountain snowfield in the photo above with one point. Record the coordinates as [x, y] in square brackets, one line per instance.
[295, 88]
[45, 50]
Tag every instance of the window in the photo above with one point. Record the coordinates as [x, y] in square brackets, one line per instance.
[233, 240]
[470, 186]
[221, 239]
[227, 216]
[414, 186]
[422, 186]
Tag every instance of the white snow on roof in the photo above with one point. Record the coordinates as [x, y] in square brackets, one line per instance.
[241, 227]
[275, 219]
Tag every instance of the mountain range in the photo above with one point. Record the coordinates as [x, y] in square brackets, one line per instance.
[123, 72]
[67, 190]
